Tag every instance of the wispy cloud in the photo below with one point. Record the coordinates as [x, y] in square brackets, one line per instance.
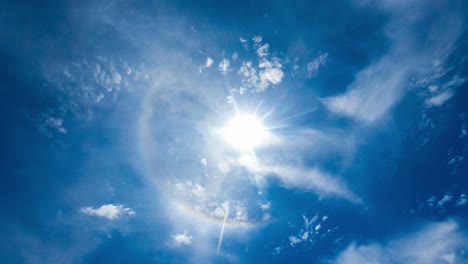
[440, 99]
[297, 177]
[377, 88]
[314, 66]
[313, 179]
[462, 200]
[434, 244]
[109, 211]
[447, 198]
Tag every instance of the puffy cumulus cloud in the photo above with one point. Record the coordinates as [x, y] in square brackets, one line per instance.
[262, 50]
[293, 240]
[436, 243]
[109, 211]
[450, 200]
[209, 62]
[314, 66]
[268, 72]
[182, 239]
[378, 87]
[224, 66]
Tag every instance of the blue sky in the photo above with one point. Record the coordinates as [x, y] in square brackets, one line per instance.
[234, 132]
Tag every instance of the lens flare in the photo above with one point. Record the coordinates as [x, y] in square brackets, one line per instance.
[244, 131]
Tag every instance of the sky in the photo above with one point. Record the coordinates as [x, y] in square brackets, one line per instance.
[234, 131]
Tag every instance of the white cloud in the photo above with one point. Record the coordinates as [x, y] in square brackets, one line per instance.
[435, 244]
[266, 217]
[314, 66]
[242, 40]
[224, 66]
[265, 206]
[209, 62]
[108, 211]
[447, 198]
[373, 93]
[256, 39]
[116, 77]
[308, 232]
[198, 191]
[313, 179]
[462, 200]
[317, 227]
[269, 72]
[431, 202]
[55, 123]
[439, 99]
[240, 213]
[182, 239]
[293, 240]
[277, 250]
[378, 87]
[262, 51]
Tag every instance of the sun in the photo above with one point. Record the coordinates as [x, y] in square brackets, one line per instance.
[245, 132]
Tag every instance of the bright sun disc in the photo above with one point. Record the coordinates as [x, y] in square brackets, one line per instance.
[244, 131]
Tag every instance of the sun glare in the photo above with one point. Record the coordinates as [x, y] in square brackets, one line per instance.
[244, 131]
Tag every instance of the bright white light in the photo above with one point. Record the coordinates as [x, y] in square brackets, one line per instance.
[244, 132]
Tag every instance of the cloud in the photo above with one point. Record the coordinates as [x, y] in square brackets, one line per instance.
[224, 66]
[55, 123]
[265, 206]
[209, 62]
[269, 72]
[309, 232]
[312, 179]
[108, 211]
[256, 39]
[447, 198]
[462, 200]
[314, 66]
[431, 202]
[378, 87]
[317, 227]
[235, 56]
[435, 244]
[262, 51]
[182, 239]
[293, 240]
[439, 99]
